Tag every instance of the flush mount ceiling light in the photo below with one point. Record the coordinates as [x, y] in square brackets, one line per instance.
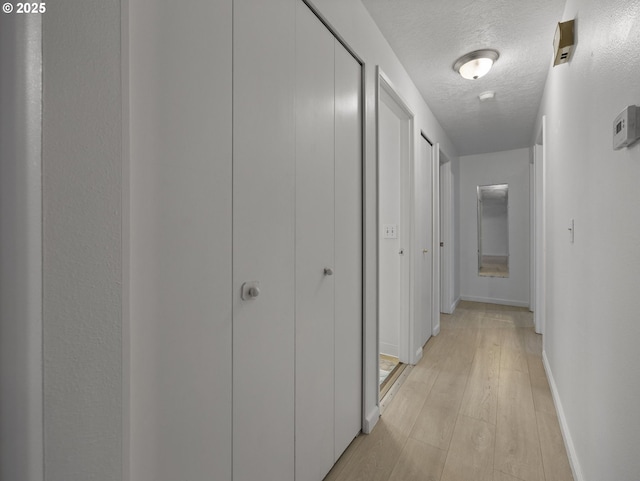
[476, 64]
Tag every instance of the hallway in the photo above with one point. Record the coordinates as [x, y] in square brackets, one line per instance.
[477, 407]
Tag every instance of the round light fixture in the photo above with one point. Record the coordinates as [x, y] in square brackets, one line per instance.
[476, 64]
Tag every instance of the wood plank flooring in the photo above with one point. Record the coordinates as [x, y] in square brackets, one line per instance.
[476, 408]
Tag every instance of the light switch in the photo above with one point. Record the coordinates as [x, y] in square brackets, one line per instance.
[390, 231]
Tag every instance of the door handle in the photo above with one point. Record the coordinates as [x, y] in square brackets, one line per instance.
[424, 251]
[401, 252]
[328, 271]
[250, 290]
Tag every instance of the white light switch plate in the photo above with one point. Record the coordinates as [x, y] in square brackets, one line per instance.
[390, 231]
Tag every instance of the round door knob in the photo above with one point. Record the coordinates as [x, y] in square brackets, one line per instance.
[328, 271]
[424, 251]
[253, 292]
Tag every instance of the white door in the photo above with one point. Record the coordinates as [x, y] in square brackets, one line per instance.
[424, 229]
[348, 249]
[180, 338]
[328, 252]
[263, 241]
[314, 247]
[393, 301]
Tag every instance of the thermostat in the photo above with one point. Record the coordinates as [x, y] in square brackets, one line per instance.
[626, 127]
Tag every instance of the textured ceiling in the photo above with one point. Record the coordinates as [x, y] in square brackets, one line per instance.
[428, 36]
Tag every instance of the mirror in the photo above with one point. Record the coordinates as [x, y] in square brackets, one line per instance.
[493, 230]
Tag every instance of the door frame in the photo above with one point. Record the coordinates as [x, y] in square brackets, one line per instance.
[435, 283]
[407, 228]
[446, 236]
[540, 160]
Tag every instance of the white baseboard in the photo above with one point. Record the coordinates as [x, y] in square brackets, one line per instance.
[436, 330]
[389, 349]
[488, 300]
[418, 356]
[564, 427]
[450, 308]
[455, 305]
[371, 420]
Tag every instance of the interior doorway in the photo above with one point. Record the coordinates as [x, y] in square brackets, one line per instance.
[447, 302]
[395, 154]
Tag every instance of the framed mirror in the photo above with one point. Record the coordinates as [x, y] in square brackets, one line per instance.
[493, 230]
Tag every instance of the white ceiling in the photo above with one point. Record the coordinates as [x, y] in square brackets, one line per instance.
[428, 36]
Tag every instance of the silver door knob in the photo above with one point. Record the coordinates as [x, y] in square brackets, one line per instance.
[328, 271]
[424, 251]
[253, 291]
[250, 290]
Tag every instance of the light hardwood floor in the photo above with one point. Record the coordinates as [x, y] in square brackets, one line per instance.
[476, 408]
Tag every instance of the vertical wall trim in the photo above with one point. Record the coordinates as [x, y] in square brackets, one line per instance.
[21, 403]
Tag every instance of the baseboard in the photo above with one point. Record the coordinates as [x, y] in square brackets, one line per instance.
[436, 330]
[389, 349]
[417, 357]
[450, 308]
[371, 420]
[564, 427]
[455, 305]
[488, 300]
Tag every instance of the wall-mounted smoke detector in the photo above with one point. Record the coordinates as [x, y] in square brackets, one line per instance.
[488, 95]
[564, 42]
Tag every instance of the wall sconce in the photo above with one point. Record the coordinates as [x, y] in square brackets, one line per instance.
[476, 64]
[564, 42]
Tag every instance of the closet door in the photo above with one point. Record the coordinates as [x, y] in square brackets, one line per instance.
[180, 207]
[314, 247]
[328, 248]
[263, 240]
[348, 249]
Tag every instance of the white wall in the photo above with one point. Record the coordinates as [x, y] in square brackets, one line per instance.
[21, 449]
[82, 240]
[510, 167]
[592, 322]
[391, 139]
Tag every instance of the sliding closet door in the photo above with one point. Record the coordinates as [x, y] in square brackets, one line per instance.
[348, 249]
[263, 240]
[314, 247]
